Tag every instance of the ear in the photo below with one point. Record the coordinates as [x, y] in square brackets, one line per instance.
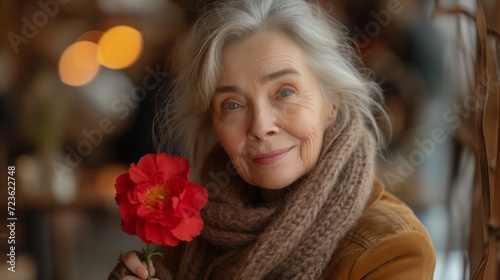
[333, 112]
[331, 115]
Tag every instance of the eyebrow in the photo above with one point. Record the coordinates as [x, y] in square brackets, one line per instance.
[264, 79]
[228, 89]
[279, 74]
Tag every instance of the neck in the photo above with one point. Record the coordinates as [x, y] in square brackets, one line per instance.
[272, 195]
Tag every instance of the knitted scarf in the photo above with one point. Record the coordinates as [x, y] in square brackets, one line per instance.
[295, 237]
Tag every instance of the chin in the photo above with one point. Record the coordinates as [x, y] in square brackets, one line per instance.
[274, 183]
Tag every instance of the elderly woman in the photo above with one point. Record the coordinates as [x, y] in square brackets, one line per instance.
[278, 123]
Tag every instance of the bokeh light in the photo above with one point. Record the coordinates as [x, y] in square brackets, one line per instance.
[120, 47]
[91, 36]
[78, 64]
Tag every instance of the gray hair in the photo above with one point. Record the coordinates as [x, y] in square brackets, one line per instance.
[184, 122]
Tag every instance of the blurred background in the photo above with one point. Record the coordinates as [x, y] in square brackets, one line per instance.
[79, 80]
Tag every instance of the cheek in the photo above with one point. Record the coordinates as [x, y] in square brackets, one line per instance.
[241, 167]
[229, 143]
[228, 132]
[309, 149]
[306, 125]
[232, 140]
[302, 120]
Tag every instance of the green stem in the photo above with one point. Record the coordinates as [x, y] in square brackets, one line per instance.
[148, 261]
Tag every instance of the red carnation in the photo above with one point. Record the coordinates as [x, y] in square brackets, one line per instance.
[158, 203]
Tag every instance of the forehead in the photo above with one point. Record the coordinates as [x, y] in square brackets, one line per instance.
[262, 52]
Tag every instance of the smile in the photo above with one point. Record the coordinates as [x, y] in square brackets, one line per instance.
[270, 158]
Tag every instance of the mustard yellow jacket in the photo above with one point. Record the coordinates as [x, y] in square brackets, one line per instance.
[389, 242]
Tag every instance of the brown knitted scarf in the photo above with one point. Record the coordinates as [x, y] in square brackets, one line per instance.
[295, 237]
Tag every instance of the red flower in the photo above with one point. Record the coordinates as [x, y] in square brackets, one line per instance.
[158, 203]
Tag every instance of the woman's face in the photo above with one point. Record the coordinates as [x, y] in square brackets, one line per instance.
[268, 111]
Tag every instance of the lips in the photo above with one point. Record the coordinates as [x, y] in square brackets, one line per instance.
[272, 157]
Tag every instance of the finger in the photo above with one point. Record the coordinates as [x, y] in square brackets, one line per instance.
[152, 268]
[130, 277]
[134, 264]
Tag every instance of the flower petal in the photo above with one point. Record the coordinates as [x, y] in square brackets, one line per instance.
[132, 197]
[168, 239]
[140, 227]
[188, 228]
[127, 211]
[156, 215]
[118, 198]
[197, 194]
[175, 185]
[192, 201]
[127, 228]
[173, 166]
[141, 190]
[159, 235]
[143, 211]
[123, 183]
[144, 170]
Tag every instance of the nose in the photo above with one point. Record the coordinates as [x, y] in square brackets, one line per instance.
[263, 122]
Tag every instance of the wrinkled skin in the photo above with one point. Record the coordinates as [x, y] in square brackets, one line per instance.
[269, 112]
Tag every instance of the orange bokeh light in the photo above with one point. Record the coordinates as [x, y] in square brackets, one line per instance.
[120, 47]
[78, 64]
[91, 36]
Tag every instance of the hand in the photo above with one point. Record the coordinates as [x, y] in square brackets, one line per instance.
[134, 264]
[130, 267]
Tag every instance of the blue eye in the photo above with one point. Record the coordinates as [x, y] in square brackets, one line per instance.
[286, 92]
[231, 106]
